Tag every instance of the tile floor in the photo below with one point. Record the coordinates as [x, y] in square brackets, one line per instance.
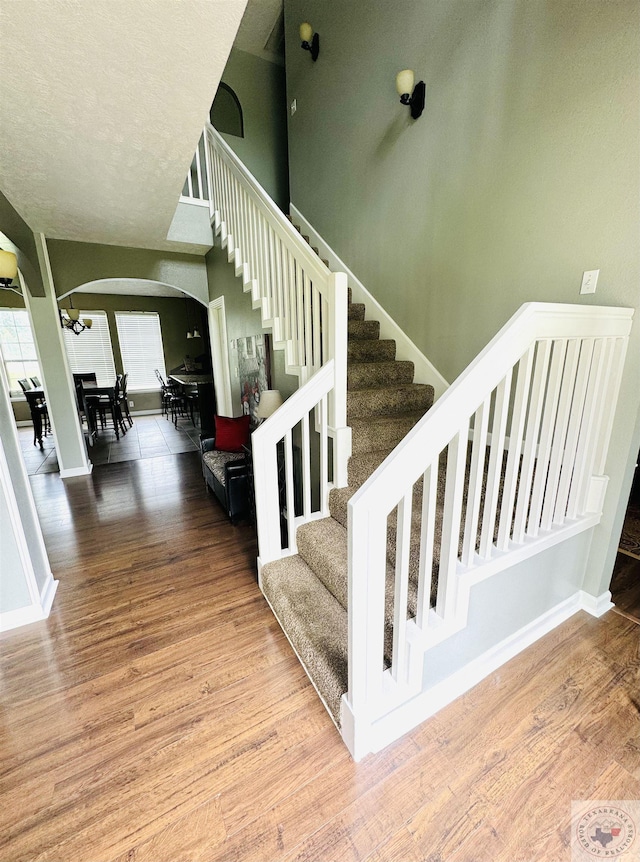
[150, 437]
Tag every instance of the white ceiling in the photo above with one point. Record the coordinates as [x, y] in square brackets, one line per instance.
[127, 287]
[101, 107]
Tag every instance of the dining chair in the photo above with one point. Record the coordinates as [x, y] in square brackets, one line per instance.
[124, 399]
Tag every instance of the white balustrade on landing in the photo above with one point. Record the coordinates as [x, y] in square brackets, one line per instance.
[301, 301]
[197, 187]
[524, 431]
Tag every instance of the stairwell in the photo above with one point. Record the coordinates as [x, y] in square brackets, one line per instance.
[308, 591]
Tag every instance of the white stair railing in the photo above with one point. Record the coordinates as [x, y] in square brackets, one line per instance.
[305, 306]
[525, 432]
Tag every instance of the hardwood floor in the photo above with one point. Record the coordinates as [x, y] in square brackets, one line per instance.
[159, 715]
[625, 586]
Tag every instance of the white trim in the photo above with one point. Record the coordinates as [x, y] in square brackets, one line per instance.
[195, 201]
[76, 471]
[427, 703]
[596, 605]
[219, 342]
[31, 613]
[155, 412]
[425, 371]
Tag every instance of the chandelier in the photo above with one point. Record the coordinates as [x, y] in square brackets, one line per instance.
[70, 319]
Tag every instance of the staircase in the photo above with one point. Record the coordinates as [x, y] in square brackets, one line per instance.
[384, 518]
[308, 592]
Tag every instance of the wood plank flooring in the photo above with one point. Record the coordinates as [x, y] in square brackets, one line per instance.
[159, 715]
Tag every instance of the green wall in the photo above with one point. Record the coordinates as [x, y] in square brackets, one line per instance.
[260, 88]
[522, 172]
[76, 263]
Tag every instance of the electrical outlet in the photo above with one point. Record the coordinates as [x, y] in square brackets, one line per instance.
[589, 281]
[131, 404]
[294, 107]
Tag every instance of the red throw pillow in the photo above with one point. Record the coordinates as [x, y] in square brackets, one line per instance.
[232, 434]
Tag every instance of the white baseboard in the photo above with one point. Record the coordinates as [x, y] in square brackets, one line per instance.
[47, 596]
[32, 613]
[76, 471]
[156, 412]
[596, 605]
[425, 371]
[385, 730]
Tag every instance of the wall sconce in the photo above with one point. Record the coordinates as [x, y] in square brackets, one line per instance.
[414, 97]
[310, 40]
[8, 270]
[70, 319]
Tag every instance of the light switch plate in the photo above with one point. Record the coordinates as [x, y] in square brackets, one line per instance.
[589, 281]
[294, 106]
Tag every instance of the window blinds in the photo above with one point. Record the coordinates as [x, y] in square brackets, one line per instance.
[91, 350]
[141, 348]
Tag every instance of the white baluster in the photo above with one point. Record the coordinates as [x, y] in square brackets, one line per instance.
[546, 435]
[447, 573]
[403, 548]
[476, 481]
[571, 444]
[538, 389]
[515, 447]
[306, 468]
[290, 494]
[496, 457]
[428, 519]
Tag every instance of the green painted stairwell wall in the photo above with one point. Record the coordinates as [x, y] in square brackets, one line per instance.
[522, 172]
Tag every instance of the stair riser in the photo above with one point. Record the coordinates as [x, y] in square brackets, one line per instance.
[371, 351]
[388, 402]
[375, 435]
[360, 330]
[356, 311]
[367, 375]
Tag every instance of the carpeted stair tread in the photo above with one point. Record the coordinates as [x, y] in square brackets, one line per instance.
[322, 545]
[363, 330]
[381, 432]
[370, 375]
[389, 400]
[315, 622]
[356, 310]
[371, 350]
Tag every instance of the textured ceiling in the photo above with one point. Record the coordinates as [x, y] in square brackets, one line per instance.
[101, 108]
[262, 30]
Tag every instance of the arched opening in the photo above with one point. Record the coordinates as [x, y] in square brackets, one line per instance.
[226, 112]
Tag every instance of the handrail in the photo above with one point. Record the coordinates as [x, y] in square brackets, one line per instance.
[525, 430]
[305, 305]
[264, 443]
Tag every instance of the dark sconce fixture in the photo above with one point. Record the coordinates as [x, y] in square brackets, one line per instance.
[195, 332]
[410, 95]
[310, 40]
[8, 270]
[70, 319]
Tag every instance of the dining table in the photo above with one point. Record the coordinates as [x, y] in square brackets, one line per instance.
[93, 390]
[199, 394]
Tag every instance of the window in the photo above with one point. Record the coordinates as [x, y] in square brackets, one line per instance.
[141, 348]
[91, 350]
[18, 348]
